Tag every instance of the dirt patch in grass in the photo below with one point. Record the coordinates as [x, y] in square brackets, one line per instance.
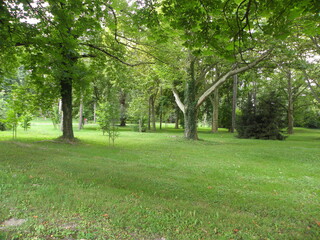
[12, 222]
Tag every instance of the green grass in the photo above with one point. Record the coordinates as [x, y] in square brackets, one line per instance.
[158, 185]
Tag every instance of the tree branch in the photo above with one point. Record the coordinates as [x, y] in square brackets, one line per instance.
[115, 57]
[316, 96]
[224, 77]
[178, 100]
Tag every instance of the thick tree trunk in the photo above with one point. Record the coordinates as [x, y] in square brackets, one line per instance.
[190, 114]
[215, 113]
[66, 97]
[234, 103]
[81, 114]
[290, 105]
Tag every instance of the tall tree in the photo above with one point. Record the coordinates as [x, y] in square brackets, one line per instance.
[61, 34]
[228, 29]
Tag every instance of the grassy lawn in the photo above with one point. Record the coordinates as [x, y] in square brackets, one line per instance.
[159, 186]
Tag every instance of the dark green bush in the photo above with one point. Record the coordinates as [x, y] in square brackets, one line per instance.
[264, 121]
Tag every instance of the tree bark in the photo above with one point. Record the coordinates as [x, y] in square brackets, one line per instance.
[290, 104]
[149, 114]
[153, 113]
[215, 113]
[81, 114]
[123, 109]
[177, 118]
[254, 93]
[234, 103]
[189, 108]
[61, 114]
[161, 109]
[66, 98]
[190, 114]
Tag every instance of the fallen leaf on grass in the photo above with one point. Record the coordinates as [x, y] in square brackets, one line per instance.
[210, 187]
[235, 230]
[318, 223]
[106, 215]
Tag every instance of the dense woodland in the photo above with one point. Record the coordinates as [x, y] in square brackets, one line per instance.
[238, 64]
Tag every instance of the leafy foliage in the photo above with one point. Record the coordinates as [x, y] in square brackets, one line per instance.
[108, 116]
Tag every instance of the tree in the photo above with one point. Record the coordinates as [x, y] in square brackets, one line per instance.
[264, 121]
[224, 29]
[108, 116]
[62, 35]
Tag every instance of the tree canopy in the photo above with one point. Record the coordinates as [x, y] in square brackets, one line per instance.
[65, 43]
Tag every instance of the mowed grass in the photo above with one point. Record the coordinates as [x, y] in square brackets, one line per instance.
[159, 186]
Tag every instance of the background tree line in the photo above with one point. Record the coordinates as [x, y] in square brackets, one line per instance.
[160, 61]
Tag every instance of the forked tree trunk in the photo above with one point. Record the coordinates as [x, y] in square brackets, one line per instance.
[190, 114]
[234, 103]
[189, 108]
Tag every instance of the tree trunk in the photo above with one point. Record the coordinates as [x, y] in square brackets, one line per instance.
[140, 124]
[254, 93]
[190, 114]
[61, 114]
[94, 112]
[123, 114]
[153, 112]
[234, 103]
[160, 119]
[66, 97]
[177, 117]
[290, 105]
[81, 114]
[215, 113]
[149, 114]
[161, 109]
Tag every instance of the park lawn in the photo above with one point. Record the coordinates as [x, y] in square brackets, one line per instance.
[159, 186]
